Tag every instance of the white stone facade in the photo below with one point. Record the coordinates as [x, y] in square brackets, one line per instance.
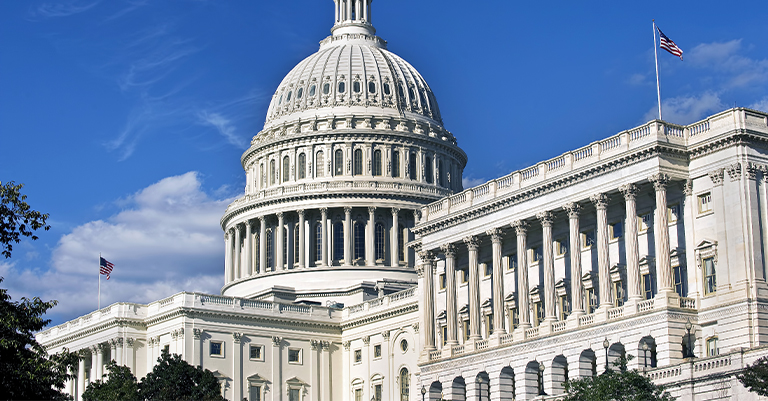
[357, 267]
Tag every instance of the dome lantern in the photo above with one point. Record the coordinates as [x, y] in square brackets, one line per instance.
[353, 17]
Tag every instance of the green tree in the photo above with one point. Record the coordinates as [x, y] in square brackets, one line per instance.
[17, 218]
[173, 378]
[619, 384]
[121, 385]
[755, 377]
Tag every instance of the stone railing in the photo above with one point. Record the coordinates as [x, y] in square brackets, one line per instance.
[634, 139]
[644, 306]
[687, 303]
[481, 344]
[615, 313]
[559, 326]
[532, 332]
[394, 299]
[119, 310]
[586, 320]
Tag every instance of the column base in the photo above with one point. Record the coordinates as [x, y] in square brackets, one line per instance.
[447, 350]
[666, 299]
[519, 333]
[545, 328]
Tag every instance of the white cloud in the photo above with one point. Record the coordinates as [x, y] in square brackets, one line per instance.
[686, 109]
[224, 126]
[63, 9]
[726, 58]
[166, 240]
[761, 105]
[470, 182]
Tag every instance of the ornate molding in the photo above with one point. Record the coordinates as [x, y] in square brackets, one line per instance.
[346, 344]
[629, 191]
[687, 187]
[236, 336]
[385, 334]
[734, 171]
[197, 333]
[717, 176]
[472, 242]
[546, 218]
[449, 250]
[276, 341]
[573, 209]
[660, 181]
[600, 200]
[366, 340]
[521, 227]
[496, 234]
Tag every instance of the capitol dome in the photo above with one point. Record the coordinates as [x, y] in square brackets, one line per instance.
[352, 147]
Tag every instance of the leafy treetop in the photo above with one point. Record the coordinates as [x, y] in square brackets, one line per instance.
[17, 218]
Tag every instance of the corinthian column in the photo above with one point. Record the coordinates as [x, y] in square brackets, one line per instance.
[601, 204]
[302, 239]
[324, 224]
[238, 259]
[661, 234]
[577, 287]
[279, 241]
[546, 219]
[248, 249]
[428, 313]
[370, 251]
[395, 253]
[523, 296]
[347, 236]
[451, 315]
[630, 243]
[473, 243]
[262, 244]
[228, 271]
[496, 235]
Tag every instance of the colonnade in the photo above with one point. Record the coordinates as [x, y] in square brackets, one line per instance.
[353, 11]
[94, 358]
[370, 236]
[521, 228]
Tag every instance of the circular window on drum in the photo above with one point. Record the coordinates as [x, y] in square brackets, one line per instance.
[404, 345]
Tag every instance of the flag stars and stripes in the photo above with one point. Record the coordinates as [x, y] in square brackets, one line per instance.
[105, 267]
[668, 45]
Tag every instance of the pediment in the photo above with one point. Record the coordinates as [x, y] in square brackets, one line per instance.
[706, 244]
[257, 379]
[295, 381]
[486, 303]
[220, 375]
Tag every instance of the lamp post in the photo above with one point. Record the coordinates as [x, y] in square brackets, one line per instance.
[541, 379]
[606, 344]
[689, 348]
[423, 392]
[645, 355]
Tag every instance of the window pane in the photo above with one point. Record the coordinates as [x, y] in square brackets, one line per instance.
[319, 165]
[395, 164]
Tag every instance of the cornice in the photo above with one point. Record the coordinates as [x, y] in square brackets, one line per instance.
[383, 315]
[108, 324]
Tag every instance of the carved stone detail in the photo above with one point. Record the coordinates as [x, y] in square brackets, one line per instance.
[600, 200]
[717, 176]
[276, 341]
[546, 218]
[472, 242]
[573, 209]
[734, 171]
[520, 226]
[449, 250]
[237, 337]
[629, 191]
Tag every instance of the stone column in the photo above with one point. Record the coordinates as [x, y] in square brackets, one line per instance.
[347, 236]
[302, 239]
[80, 377]
[277, 388]
[496, 235]
[550, 311]
[427, 273]
[94, 362]
[279, 262]
[130, 360]
[237, 365]
[325, 370]
[604, 276]
[661, 234]
[248, 249]
[451, 315]
[228, 271]
[324, 224]
[99, 361]
[395, 253]
[262, 244]
[370, 251]
[523, 295]
[238, 260]
[634, 292]
[118, 357]
[577, 287]
[473, 244]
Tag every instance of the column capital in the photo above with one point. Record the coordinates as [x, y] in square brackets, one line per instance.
[660, 181]
[346, 344]
[520, 226]
[546, 218]
[366, 340]
[449, 250]
[600, 200]
[237, 337]
[325, 345]
[496, 234]
[416, 215]
[734, 171]
[279, 215]
[371, 209]
[385, 334]
[573, 209]
[395, 211]
[262, 219]
[300, 212]
[197, 333]
[314, 344]
[688, 187]
[629, 191]
[473, 242]
[427, 256]
[717, 176]
[276, 341]
[347, 210]
[324, 210]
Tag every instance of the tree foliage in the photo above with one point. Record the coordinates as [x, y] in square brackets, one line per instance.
[17, 218]
[619, 384]
[26, 369]
[755, 377]
[120, 385]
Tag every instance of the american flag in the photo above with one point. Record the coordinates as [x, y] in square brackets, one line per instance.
[668, 45]
[105, 267]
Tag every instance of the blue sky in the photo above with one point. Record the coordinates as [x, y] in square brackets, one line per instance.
[126, 119]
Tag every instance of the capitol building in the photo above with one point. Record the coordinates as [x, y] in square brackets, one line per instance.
[357, 267]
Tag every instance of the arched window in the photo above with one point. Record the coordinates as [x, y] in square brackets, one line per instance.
[342, 87]
[386, 89]
[319, 164]
[288, 99]
[405, 384]
[359, 240]
[338, 162]
[412, 166]
[285, 247]
[377, 162]
[395, 164]
[358, 161]
[440, 173]
[379, 241]
[302, 166]
[263, 175]
[356, 87]
[296, 240]
[319, 241]
[400, 243]
[428, 173]
[312, 90]
[371, 87]
[299, 93]
[272, 172]
[270, 247]
[286, 168]
[326, 88]
[338, 241]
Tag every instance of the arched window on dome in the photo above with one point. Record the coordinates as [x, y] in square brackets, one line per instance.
[412, 166]
[342, 87]
[312, 91]
[302, 170]
[371, 87]
[285, 245]
[338, 162]
[400, 91]
[296, 240]
[356, 87]
[440, 173]
[387, 91]
[299, 93]
[358, 161]
[359, 236]
[279, 102]
[270, 246]
[338, 241]
[272, 172]
[318, 242]
[423, 101]
[326, 88]
[396, 164]
[286, 168]
[429, 175]
[288, 98]
[411, 96]
[379, 241]
[401, 242]
[405, 384]
[377, 162]
[319, 164]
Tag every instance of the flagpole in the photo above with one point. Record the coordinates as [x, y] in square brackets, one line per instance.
[99, 271]
[656, 57]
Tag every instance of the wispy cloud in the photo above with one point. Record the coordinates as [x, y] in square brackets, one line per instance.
[63, 9]
[761, 104]
[469, 182]
[223, 126]
[728, 60]
[687, 109]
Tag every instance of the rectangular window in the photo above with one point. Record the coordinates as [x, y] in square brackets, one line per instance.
[515, 318]
[465, 329]
[587, 238]
[673, 213]
[464, 276]
[536, 254]
[488, 325]
[256, 393]
[561, 247]
[377, 390]
[539, 309]
[591, 300]
[442, 281]
[617, 230]
[444, 330]
[712, 349]
[644, 222]
[293, 395]
[488, 269]
[710, 276]
[167, 348]
[565, 307]
[217, 348]
[377, 351]
[257, 352]
[677, 272]
[512, 262]
[358, 356]
[358, 394]
[705, 202]
[618, 294]
[294, 355]
[647, 286]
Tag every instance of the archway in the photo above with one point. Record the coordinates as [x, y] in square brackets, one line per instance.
[587, 363]
[558, 376]
[505, 391]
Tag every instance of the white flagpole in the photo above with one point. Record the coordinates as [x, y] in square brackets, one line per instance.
[656, 57]
[99, 271]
